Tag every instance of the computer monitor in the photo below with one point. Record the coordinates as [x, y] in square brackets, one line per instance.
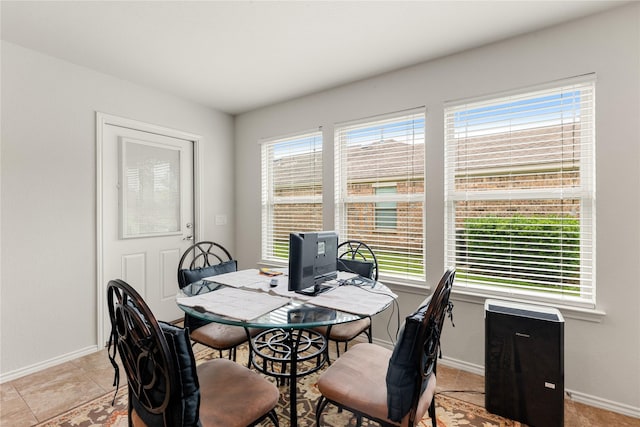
[312, 261]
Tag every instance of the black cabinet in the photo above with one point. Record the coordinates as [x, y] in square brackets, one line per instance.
[524, 363]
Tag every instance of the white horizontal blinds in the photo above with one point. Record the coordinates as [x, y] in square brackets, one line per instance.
[379, 190]
[291, 191]
[519, 193]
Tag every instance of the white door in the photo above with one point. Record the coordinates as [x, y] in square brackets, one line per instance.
[147, 214]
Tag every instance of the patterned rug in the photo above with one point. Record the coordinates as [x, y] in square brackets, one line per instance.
[450, 412]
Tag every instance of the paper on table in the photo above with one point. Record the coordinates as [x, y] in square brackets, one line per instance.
[354, 299]
[235, 303]
[345, 275]
[250, 278]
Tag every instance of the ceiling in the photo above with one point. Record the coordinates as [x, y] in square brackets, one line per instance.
[236, 56]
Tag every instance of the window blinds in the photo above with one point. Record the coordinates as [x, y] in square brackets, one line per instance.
[379, 190]
[291, 191]
[519, 193]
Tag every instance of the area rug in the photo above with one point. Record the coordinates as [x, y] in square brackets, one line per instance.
[450, 412]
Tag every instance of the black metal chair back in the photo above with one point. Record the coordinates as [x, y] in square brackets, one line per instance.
[166, 388]
[143, 349]
[357, 257]
[428, 348]
[200, 256]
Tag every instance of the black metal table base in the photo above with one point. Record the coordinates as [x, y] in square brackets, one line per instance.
[287, 354]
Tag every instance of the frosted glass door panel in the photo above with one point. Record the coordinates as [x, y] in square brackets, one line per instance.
[149, 189]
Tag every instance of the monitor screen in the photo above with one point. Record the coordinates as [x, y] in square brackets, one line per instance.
[312, 261]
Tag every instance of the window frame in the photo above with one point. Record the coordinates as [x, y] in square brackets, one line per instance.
[343, 199]
[269, 200]
[585, 193]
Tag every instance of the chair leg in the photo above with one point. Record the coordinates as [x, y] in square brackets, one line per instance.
[250, 346]
[273, 417]
[432, 412]
[322, 402]
[326, 352]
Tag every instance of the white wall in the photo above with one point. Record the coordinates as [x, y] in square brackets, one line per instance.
[48, 287]
[602, 359]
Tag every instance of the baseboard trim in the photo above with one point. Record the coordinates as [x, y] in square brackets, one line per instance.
[462, 365]
[18, 373]
[576, 396]
[601, 403]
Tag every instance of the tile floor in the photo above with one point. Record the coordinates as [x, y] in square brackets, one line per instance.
[37, 397]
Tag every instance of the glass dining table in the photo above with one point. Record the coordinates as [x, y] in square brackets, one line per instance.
[290, 342]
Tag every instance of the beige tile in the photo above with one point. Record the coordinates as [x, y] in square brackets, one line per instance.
[461, 385]
[13, 409]
[474, 398]
[99, 369]
[470, 381]
[97, 360]
[446, 378]
[591, 416]
[57, 389]
[18, 419]
[574, 414]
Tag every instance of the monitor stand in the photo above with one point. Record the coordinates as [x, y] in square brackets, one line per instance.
[315, 290]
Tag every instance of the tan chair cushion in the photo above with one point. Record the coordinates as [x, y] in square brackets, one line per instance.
[348, 331]
[358, 380]
[219, 336]
[232, 395]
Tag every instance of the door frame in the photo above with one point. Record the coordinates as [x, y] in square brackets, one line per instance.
[103, 120]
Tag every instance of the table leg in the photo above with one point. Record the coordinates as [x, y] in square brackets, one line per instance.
[293, 380]
[283, 346]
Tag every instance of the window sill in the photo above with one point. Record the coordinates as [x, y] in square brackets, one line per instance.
[272, 264]
[570, 312]
[406, 286]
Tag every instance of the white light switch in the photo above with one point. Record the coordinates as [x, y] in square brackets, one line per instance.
[221, 220]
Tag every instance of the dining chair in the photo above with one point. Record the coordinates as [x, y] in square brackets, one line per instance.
[205, 259]
[165, 387]
[356, 257]
[392, 387]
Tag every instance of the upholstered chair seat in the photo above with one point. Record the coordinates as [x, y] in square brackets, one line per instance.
[219, 336]
[357, 379]
[356, 257]
[166, 387]
[206, 259]
[231, 395]
[346, 331]
[394, 388]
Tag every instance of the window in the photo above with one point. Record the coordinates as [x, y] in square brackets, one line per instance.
[379, 189]
[519, 193]
[386, 212]
[291, 191]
